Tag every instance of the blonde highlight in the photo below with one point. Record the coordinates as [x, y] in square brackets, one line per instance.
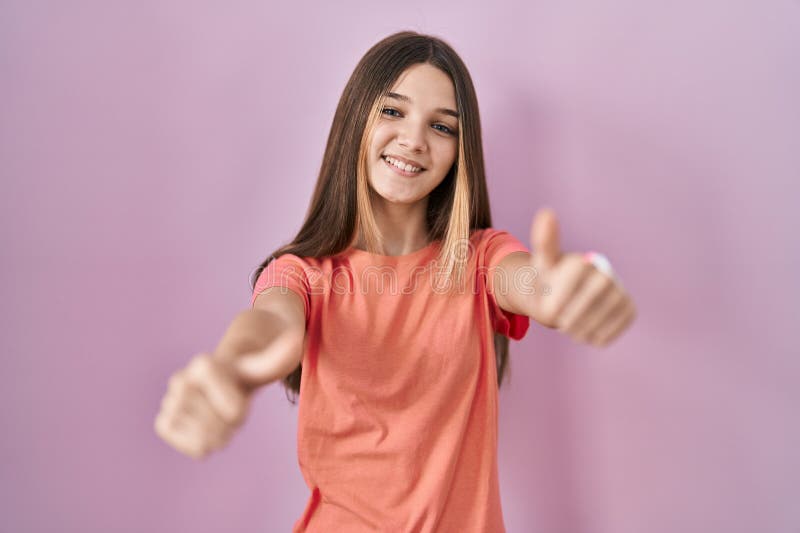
[366, 228]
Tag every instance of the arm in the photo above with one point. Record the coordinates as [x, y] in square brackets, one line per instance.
[514, 283]
[265, 343]
[560, 290]
[206, 401]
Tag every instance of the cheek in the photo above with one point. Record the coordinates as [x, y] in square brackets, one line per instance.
[447, 155]
[380, 137]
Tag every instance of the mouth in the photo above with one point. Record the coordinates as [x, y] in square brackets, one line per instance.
[402, 171]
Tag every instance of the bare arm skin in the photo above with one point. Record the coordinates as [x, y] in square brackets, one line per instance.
[209, 399]
[561, 290]
[265, 343]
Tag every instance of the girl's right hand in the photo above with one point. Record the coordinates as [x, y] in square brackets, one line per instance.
[204, 405]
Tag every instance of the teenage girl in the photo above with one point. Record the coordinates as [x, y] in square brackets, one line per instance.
[390, 312]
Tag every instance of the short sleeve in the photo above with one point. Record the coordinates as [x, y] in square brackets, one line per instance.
[288, 271]
[496, 244]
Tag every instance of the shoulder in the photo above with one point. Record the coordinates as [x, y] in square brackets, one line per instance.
[287, 272]
[292, 259]
[306, 266]
[493, 244]
[283, 269]
[486, 236]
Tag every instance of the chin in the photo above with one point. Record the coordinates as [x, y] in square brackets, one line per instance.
[397, 197]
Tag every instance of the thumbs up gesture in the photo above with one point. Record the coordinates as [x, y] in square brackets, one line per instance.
[208, 400]
[571, 294]
[205, 403]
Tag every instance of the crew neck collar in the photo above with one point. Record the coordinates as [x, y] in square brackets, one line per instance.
[357, 252]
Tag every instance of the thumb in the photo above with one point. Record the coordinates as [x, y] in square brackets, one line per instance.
[544, 239]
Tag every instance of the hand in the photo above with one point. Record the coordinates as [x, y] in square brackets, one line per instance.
[571, 294]
[204, 404]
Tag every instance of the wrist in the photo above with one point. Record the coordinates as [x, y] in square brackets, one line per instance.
[226, 363]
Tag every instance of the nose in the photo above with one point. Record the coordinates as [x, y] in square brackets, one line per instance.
[412, 137]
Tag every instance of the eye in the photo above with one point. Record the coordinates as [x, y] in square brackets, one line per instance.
[389, 110]
[446, 129]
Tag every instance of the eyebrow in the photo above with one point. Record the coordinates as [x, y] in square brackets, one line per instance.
[404, 98]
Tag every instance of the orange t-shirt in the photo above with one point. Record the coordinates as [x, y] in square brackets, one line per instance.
[397, 417]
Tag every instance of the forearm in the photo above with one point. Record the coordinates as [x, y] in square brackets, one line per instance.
[515, 282]
[264, 344]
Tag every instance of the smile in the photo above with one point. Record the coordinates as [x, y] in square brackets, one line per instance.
[401, 171]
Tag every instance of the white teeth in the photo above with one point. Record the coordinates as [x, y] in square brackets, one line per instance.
[402, 166]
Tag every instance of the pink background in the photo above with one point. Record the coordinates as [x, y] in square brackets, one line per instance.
[153, 153]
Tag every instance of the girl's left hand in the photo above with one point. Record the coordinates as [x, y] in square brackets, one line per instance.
[570, 293]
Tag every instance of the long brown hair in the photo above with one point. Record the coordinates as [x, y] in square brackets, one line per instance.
[340, 211]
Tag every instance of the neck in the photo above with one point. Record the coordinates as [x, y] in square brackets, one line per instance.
[403, 226]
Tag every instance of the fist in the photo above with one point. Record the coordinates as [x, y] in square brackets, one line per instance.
[576, 298]
[202, 408]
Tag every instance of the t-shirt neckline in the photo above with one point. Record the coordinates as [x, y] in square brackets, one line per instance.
[356, 252]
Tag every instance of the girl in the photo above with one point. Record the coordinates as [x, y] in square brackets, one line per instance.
[390, 312]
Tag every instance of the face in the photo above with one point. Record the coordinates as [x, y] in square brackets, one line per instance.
[416, 128]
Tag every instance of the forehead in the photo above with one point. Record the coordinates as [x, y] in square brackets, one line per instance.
[426, 85]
